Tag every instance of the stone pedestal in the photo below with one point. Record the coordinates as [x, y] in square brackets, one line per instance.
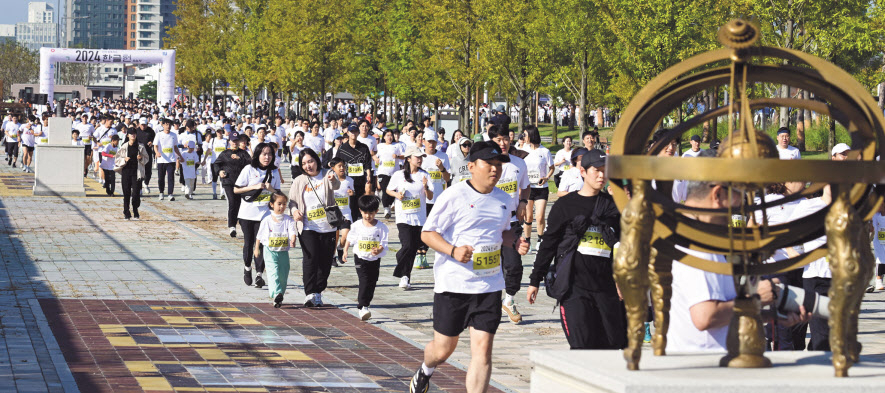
[58, 169]
[606, 371]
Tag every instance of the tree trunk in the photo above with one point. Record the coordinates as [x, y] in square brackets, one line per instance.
[554, 121]
[714, 122]
[436, 114]
[785, 90]
[521, 123]
[801, 124]
[582, 100]
[831, 137]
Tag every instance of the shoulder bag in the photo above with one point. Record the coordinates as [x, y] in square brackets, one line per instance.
[334, 216]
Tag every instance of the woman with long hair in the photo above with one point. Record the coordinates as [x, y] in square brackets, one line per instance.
[540, 166]
[310, 194]
[390, 157]
[262, 176]
[562, 160]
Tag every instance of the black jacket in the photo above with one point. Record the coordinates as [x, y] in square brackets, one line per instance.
[232, 166]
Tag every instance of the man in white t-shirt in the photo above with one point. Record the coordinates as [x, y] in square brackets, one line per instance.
[167, 154]
[695, 142]
[784, 150]
[468, 230]
[702, 304]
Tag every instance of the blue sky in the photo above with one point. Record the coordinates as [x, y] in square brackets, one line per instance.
[14, 11]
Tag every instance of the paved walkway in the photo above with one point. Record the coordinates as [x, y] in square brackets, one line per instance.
[81, 250]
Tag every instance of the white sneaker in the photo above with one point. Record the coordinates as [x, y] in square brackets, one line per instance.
[404, 283]
[161, 197]
[318, 299]
[879, 285]
[147, 190]
[365, 314]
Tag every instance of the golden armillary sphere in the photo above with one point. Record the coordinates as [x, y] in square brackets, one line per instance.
[653, 224]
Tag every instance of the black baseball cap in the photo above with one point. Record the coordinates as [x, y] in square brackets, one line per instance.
[353, 129]
[696, 138]
[168, 120]
[783, 130]
[594, 158]
[579, 152]
[486, 151]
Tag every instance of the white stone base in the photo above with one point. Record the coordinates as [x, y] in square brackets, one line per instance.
[58, 170]
[606, 371]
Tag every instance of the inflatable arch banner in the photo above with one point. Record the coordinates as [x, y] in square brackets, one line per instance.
[166, 58]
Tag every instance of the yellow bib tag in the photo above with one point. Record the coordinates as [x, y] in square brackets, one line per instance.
[509, 187]
[487, 259]
[263, 197]
[367, 246]
[566, 167]
[219, 149]
[277, 242]
[318, 214]
[593, 244]
[189, 162]
[167, 150]
[881, 236]
[342, 201]
[737, 221]
[435, 175]
[355, 169]
[43, 141]
[411, 205]
[388, 164]
[86, 140]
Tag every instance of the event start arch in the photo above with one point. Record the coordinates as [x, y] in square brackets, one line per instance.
[166, 58]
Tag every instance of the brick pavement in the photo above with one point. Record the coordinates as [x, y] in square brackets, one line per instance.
[80, 248]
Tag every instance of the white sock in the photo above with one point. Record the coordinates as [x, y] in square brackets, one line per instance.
[248, 268]
[508, 299]
[428, 371]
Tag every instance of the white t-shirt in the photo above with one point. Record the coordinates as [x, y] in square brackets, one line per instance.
[437, 183]
[387, 154]
[166, 143]
[369, 141]
[108, 162]
[103, 136]
[790, 153]
[86, 131]
[186, 137]
[820, 267]
[330, 134]
[566, 157]
[276, 235]
[464, 216]
[364, 238]
[258, 208]
[12, 132]
[42, 139]
[27, 135]
[342, 199]
[690, 287]
[315, 203]
[317, 143]
[412, 209]
[776, 215]
[879, 238]
[571, 180]
[691, 153]
[538, 163]
[514, 178]
[189, 166]
[215, 147]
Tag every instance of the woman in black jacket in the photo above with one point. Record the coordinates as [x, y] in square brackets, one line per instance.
[229, 164]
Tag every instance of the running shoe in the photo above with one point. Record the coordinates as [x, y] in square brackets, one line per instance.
[222, 197]
[186, 196]
[278, 301]
[420, 382]
[511, 311]
[879, 285]
[214, 196]
[171, 198]
[135, 214]
[259, 282]
[233, 231]
[247, 277]
[404, 283]
[309, 301]
[161, 197]
[365, 314]
[318, 299]
[386, 212]
[421, 262]
[147, 190]
[647, 338]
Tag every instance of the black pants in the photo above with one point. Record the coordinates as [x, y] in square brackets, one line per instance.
[781, 338]
[148, 169]
[367, 271]
[820, 329]
[409, 238]
[11, 151]
[386, 200]
[131, 192]
[110, 181]
[359, 189]
[422, 247]
[214, 171]
[166, 174]
[556, 179]
[250, 234]
[318, 250]
[593, 320]
[233, 205]
[296, 171]
[511, 265]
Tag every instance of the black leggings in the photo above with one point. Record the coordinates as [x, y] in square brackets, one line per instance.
[250, 234]
[148, 170]
[422, 248]
[214, 173]
[386, 200]
[359, 189]
[511, 264]
[131, 192]
[410, 239]
[166, 174]
[367, 272]
[233, 205]
[110, 181]
[318, 250]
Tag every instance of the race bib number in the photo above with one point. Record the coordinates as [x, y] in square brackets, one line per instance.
[355, 169]
[388, 164]
[592, 243]
[167, 150]
[43, 141]
[487, 259]
[366, 246]
[87, 140]
[105, 143]
[277, 242]
[317, 214]
[737, 221]
[344, 201]
[263, 197]
[508, 187]
[219, 149]
[189, 162]
[566, 167]
[881, 236]
[534, 177]
[435, 175]
[410, 206]
[113, 151]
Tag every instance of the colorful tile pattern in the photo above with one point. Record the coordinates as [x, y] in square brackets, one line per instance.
[116, 345]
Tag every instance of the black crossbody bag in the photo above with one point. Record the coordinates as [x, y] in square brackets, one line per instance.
[251, 196]
[334, 216]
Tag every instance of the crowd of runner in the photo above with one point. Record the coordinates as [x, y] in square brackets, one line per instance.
[475, 201]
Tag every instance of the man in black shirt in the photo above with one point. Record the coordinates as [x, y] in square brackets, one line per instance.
[500, 118]
[229, 164]
[587, 224]
[146, 136]
[358, 158]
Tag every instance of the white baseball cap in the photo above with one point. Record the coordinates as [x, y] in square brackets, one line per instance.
[840, 148]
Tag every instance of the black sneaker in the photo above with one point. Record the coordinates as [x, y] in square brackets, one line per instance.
[278, 301]
[135, 215]
[247, 277]
[259, 282]
[420, 382]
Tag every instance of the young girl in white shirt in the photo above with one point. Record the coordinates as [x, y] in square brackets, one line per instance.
[277, 235]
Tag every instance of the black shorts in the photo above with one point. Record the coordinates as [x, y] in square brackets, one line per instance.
[87, 151]
[454, 312]
[29, 149]
[536, 194]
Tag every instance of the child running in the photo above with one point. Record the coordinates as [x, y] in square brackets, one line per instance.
[370, 239]
[189, 167]
[342, 199]
[277, 234]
